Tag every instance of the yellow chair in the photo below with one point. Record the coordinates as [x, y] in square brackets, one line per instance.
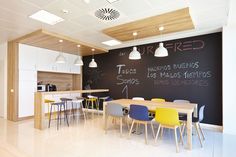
[48, 103]
[156, 100]
[168, 118]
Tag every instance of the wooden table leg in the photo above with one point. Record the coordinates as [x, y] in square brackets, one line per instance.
[104, 115]
[189, 131]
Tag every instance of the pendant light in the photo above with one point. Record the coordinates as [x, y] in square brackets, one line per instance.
[134, 54]
[78, 61]
[60, 58]
[161, 51]
[93, 64]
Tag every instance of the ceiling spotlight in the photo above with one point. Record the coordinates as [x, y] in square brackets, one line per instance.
[60, 41]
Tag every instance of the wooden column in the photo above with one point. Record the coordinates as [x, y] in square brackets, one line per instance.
[12, 81]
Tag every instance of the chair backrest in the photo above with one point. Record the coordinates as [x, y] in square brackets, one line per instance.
[138, 112]
[137, 98]
[181, 101]
[158, 100]
[114, 109]
[167, 116]
[201, 113]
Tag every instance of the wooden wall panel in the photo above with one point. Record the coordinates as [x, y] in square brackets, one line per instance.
[64, 82]
[13, 81]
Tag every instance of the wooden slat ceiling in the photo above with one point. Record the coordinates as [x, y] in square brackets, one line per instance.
[179, 20]
[48, 40]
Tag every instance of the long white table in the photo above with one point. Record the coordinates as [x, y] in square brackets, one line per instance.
[187, 108]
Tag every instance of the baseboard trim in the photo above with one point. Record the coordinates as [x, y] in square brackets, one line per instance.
[25, 118]
[212, 127]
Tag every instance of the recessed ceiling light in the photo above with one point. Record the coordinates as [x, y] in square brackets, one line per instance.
[60, 41]
[46, 17]
[112, 1]
[161, 28]
[111, 42]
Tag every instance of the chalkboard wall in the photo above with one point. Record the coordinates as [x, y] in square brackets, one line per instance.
[192, 71]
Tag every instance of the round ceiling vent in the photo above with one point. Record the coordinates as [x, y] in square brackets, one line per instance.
[107, 14]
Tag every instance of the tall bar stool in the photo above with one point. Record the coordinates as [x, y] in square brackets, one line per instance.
[78, 102]
[66, 100]
[59, 106]
[93, 100]
[48, 103]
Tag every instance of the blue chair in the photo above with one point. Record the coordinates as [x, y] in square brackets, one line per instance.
[139, 115]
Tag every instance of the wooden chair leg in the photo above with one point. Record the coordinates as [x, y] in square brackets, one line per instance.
[201, 131]
[181, 137]
[132, 125]
[198, 133]
[153, 134]
[176, 141]
[127, 121]
[120, 126]
[146, 136]
[162, 130]
[159, 127]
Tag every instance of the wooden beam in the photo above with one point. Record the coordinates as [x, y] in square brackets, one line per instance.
[13, 81]
[175, 21]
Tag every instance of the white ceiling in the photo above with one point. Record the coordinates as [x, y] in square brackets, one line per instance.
[80, 23]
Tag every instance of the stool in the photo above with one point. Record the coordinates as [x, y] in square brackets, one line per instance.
[48, 103]
[59, 109]
[102, 99]
[79, 102]
[93, 100]
[65, 100]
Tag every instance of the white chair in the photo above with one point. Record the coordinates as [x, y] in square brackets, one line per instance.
[137, 98]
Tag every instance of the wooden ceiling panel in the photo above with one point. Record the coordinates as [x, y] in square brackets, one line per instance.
[175, 21]
[48, 40]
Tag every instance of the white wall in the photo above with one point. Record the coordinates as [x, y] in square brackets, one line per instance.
[3, 80]
[229, 79]
[229, 76]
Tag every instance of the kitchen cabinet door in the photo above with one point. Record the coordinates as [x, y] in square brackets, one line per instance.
[73, 68]
[46, 60]
[26, 98]
[27, 57]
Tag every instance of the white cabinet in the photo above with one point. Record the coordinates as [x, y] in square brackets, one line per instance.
[73, 68]
[27, 88]
[46, 60]
[31, 60]
[27, 57]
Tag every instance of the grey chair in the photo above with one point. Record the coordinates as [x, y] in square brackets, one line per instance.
[116, 111]
[196, 122]
[181, 101]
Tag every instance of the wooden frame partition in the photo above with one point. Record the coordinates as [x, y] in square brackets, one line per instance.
[43, 39]
[12, 81]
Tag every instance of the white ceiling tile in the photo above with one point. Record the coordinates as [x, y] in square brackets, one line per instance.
[18, 6]
[130, 7]
[39, 3]
[57, 6]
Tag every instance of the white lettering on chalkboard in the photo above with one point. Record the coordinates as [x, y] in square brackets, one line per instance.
[126, 75]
